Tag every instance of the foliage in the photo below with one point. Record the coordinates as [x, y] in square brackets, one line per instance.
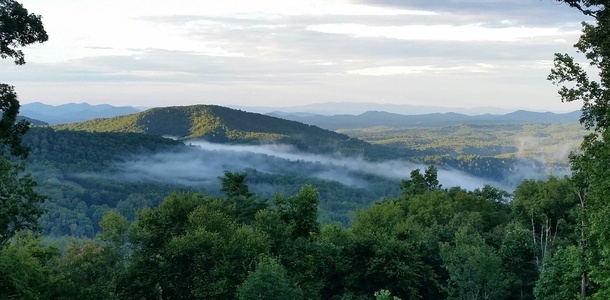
[114, 228]
[190, 247]
[419, 184]
[560, 279]
[388, 252]
[590, 165]
[19, 28]
[20, 202]
[300, 211]
[74, 151]
[11, 130]
[25, 271]
[269, 281]
[436, 244]
[89, 270]
[475, 269]
[548, 208]
[385, 295]
[519, 262]
[233, 185]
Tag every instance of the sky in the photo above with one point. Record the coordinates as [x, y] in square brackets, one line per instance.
[451, 53]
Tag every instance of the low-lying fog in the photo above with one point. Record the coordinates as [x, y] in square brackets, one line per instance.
[204, 162]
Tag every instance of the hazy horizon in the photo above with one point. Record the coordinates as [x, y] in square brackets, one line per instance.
[325, 108]
[462, 54]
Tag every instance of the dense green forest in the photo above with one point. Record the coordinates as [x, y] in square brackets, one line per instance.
[85, 174]
[82, 176]
[428, 243]
[109, 234]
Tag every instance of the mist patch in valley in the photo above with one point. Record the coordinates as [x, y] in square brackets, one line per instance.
[202, 163]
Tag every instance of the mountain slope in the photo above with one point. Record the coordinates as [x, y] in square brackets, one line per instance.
[221, 125]
[77, 151]
[32, 121]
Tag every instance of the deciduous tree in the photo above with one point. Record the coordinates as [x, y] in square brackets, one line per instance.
[269, 281]
[591, 86]
[19, 202]
[475, 269]
[19, 28]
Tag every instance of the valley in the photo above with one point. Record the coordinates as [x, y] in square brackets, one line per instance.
[129, 163]
[441, 165]
[176, 192]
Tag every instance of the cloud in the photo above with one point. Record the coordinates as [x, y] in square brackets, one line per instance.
[406, 70]
[524, 12]
[462, 33]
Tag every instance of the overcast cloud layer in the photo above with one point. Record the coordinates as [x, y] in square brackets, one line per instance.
[456, 53]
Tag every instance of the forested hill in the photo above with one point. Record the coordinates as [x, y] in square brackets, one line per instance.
[223, 125]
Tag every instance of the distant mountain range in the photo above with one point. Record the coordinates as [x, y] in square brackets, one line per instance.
[379, 118]
[356, 108]
[353, 115]
[72, 112]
